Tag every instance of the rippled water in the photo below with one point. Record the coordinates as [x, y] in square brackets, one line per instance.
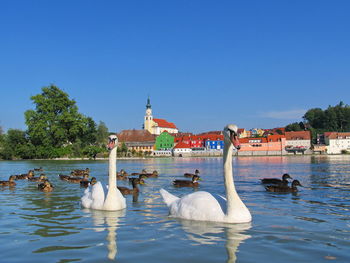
[312, 225]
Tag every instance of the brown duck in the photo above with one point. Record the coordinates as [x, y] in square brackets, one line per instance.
[284, 188]
[46, 186]
[142, 172]
[122, 175]
[41, 178]
[187, 183]
[10, 182]
[151, 175]
[276, 181]
[80, 172]
[134, 190]
[77, 180]
[86, 183]
[189, 175]
[30, 174]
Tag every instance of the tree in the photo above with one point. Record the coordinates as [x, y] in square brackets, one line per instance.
[16, 145]
[295, 126]
[56, 123]
[101, 134]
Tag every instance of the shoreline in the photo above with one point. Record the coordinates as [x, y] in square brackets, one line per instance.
[166, 157]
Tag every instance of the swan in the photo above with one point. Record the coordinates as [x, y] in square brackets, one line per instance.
[202, 205]
[94, 197]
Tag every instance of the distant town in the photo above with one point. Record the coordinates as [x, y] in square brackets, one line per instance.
[160, 137]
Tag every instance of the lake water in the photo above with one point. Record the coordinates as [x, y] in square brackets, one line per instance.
[310, 226]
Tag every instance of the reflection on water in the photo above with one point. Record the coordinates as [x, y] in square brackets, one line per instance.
[52, 227]
[208, 233]
[107, 220]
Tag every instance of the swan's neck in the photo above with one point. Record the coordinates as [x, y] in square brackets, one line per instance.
[236, 210]
[231, 193]
[112, 181]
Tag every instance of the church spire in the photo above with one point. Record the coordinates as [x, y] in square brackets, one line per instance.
[148, 105]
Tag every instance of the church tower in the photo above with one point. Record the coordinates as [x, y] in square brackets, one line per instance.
[148, 121]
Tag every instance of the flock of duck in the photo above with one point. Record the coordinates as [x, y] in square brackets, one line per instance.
[198, 205]
[44, 184]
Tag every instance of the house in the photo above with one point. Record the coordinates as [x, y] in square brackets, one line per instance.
[270, 145]
[298, 141]
[164, 141]
[243, 133]
[137, 140]
[157, 126]
[182, 149]
[336, 142]
[214, 141]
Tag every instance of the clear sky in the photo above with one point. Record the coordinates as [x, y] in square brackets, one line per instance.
[204, 64]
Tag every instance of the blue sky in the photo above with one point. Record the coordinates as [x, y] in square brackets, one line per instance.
[203, 63]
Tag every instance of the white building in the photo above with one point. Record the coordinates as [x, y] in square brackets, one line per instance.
[336, 142]
[157, 126]
[298, 139]
[182, 149]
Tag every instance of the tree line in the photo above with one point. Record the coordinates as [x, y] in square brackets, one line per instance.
[55, 128]
[333, 119]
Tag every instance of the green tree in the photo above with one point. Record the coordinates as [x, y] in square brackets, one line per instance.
[295, 126]
[16, 145]
[56, 123]
[101, 134]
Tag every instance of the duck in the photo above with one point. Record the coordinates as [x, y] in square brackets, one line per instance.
[122, 175]
[151, 175]
[77, 180]
[284, 188]
[41, 178]
[40, 169]
[141, 177]
[80, 172]
[86, 183]
[30, 174]
[10, 182]
[189, 175]
[64, 177]
[144, 171]
[187, 183]
[45, 186]
[203, 206]
[94, 196]
[134, 190]
[276, 181]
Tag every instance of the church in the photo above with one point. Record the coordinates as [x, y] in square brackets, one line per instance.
[157, 126]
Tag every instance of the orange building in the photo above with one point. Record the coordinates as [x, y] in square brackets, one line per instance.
[270, 145]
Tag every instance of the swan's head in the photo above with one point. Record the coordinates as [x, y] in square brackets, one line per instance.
[112, 142]
[231, 135]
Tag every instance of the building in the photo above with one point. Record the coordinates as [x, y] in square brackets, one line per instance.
[270, 145]
[164, 141]
[243, 133]
[298, 141]
[337, 142]
[214, 141]
[182, 149]
[157, 126]
[137, 140]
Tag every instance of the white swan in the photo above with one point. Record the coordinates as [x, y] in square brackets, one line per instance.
[94, 197]
[202, 205]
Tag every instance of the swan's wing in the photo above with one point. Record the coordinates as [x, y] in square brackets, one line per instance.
[86, 200]
[168, 197]
[222, 202]
[97, 196]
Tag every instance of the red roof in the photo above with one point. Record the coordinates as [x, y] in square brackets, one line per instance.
[164, 124]
[337, 135]
[298, 135]
[182, 145]
[135, 136]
